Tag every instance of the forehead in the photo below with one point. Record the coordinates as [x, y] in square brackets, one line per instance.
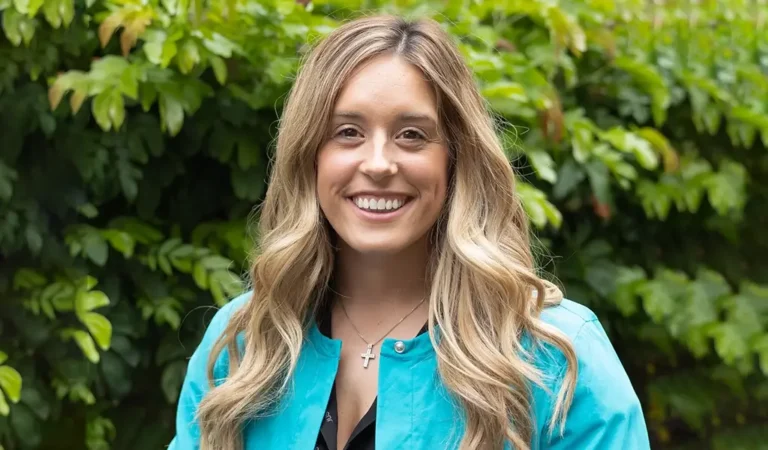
[388, 85]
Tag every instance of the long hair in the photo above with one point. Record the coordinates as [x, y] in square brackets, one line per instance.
[485, 298]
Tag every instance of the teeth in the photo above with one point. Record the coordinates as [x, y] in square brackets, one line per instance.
[381, 204]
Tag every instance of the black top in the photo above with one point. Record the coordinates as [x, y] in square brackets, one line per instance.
[363, 437]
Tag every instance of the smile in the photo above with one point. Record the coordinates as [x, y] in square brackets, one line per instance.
[379, 204]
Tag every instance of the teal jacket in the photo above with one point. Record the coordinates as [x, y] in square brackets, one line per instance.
[414, 409]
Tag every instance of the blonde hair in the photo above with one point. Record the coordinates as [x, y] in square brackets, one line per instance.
[485, 296]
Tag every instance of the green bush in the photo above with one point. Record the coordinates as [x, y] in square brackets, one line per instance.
[135, 137]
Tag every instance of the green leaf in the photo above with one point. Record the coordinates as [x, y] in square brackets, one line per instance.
[51, 13]
[219, 69]
[120, 241]
[248, 154]
[88, 210]
[33, 7]
[505, 90]
[726, 188]
[34, 239]
[86, 344]
[96, 248]
[172, 113]
[248, 184]
[166, 313]
[729, 342]
[188, 57]
[129, 82]
[88, 301]
[7, 178]
[200, 276]
[21, 6]
[216, 262]
[117, 375]
[172, 378]
[123, 347]
[538, 208]
[25, 278]
[216, 287]
[569, 176]
[628, 281]
[116, 109]
[12, 20]
[32, 398]
[219, 45]
[4, 408]
[100, 107]
[658, 301]
[10, 381]
[600, 182]
[3, 357]
[761, 348]
[100, 327]
[128, 175]
[543, 164]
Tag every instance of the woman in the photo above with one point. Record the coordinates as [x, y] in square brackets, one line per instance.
[395, 302]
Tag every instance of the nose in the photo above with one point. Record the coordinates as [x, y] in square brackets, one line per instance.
[378, 162]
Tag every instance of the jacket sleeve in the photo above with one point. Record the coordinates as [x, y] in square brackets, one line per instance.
[195, 384]
[606, 413]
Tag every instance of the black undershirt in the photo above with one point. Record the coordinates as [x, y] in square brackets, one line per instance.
[363, 437]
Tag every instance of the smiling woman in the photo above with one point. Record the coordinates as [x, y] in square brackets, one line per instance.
[385, 149]
[395, 302]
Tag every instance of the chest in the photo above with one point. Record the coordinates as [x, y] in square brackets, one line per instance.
[356, 387]
[414, 411]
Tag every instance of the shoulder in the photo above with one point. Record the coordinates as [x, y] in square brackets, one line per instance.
[214, 329]
[569, 317]
[590, 342]
[604, 395]
[224, 314]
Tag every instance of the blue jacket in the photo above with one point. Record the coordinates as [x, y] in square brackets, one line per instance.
[416, 414]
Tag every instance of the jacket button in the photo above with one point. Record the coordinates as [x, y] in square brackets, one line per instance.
[399, 346]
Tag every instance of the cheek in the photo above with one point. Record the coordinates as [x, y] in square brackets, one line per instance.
[435, 173]
[334, 170]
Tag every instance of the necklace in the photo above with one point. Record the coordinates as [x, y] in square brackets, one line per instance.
[368, 355]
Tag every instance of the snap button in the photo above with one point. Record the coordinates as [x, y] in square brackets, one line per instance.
[399, 346]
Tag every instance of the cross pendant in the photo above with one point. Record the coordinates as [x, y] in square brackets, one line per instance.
[367, 356]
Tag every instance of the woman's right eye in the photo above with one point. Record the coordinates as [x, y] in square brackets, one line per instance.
[348, 132]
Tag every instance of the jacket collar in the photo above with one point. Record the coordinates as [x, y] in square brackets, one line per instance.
[416, 348]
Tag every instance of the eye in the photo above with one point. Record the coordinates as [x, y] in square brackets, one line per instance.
[413, 135]
[348, 133]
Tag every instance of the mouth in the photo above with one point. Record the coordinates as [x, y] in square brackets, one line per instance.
[379, 208]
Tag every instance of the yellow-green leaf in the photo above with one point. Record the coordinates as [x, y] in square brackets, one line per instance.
[86, 344]
[100, 327]
[4, 408]
[100, 108]
[88, 301]
[10, 381]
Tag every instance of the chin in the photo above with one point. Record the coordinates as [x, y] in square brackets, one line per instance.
[381, 246]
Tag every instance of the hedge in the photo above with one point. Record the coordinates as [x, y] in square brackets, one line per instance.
[136, 137]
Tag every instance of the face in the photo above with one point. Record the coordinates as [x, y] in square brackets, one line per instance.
[382, 173]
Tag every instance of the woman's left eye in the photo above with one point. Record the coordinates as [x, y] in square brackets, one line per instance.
[413, 135]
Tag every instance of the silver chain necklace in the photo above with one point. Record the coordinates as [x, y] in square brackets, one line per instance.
[368, 355]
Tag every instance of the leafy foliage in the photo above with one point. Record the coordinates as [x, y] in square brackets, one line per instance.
[136, 141]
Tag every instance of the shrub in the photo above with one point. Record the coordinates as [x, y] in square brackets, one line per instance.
[136, 137]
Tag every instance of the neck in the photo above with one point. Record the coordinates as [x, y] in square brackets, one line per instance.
[392, 279]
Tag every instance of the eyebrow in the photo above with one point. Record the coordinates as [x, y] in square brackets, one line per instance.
[401, 117]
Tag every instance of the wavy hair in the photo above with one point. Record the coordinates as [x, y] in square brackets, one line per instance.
[486, 296]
